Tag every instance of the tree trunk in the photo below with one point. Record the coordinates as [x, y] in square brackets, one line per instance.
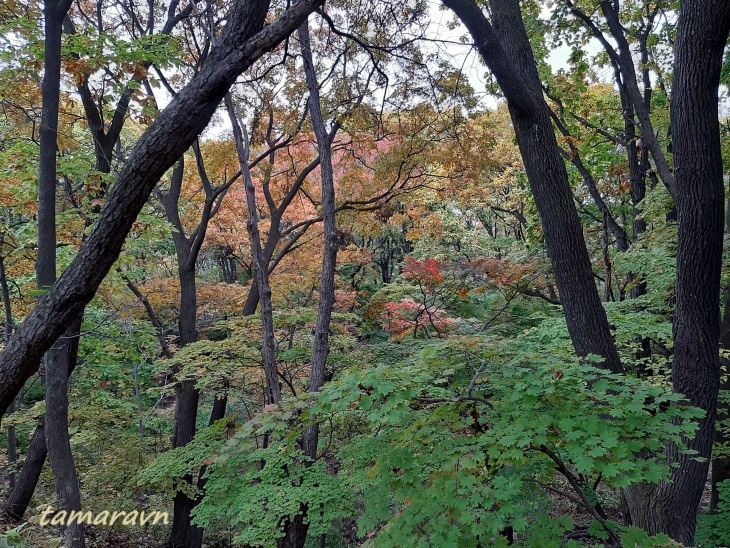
[19, 498]
[7, 306]
[701, 37]
[17, 502]
[505, 48]
[252, 300]
[183, 533]
[56, 359]
[57, 439]
[296, 529]
[261, 262]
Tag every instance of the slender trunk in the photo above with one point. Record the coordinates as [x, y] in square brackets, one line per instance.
[17, 502]
[57, 439]
[701, 37]
[252, 300]
[329, 260]
[183, 533]
[261, 262]
[154, 320]
[608, 293]
[12, 448]
[56, 359]
[140, 408]
[611, 13]
[296, 529]
[12, 441]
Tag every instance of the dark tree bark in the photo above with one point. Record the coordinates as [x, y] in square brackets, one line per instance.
[275, 236]
[183, 532]
[7, 307]
[329, 260]
[506, 50]
[624, 59]
[240, 44]
[56, 359]
[702, 33]
[296, 529]
[17, 502]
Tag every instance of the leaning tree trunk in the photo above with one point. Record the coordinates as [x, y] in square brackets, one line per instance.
[16, 504]
[702, 33]
[505, 48]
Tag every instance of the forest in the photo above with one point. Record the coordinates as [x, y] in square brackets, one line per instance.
[378, 273]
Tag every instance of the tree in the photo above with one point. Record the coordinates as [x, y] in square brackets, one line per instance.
[505, 48]
[105, 137]
[702, 34]
[56, 360]
[187, 247]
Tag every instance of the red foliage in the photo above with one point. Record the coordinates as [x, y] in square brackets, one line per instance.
[428, 272]
[408, 317]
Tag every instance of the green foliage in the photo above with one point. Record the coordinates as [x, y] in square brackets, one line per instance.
[271, 486]
[168, 471]
[713, 530]
[633, 536]
[13, 537]
[454, 444]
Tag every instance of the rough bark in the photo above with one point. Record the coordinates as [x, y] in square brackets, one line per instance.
[57, 439]
[505, 48]
[240, 44]
[187, 396]
[183, 532]
[19, 498]
[296, 529]
[329, 260]
[17, 502]
[701, 37]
